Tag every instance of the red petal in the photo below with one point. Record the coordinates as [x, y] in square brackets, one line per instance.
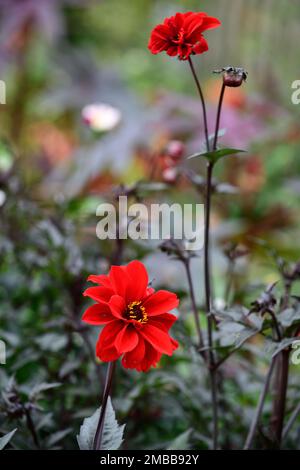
[100, 279]
[193, 24]
[197, 23]
[160, 302]
[117, 306]
[160, 31]
[138, 281]
[164, 321]
[159, 339]
[107, 354]
[97, 315]
[178, 20]
[100, 294]
[172, 51]
[108, 334]
[118, 279]
[127, 339]
[133, 358]
[209, 22]
[201, 46]
[151, 358]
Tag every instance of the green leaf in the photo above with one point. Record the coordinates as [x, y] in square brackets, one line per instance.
[211, 138]
[216, 155]
[289, 316]
[52, 342]
[43, 387]
[57, 436]
[284, 344]
[5, 439]
[235, 334]
[181, 442]
[112, 437]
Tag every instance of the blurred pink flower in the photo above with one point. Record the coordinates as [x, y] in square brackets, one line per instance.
[101, 117]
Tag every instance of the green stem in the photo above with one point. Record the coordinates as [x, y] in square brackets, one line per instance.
[259, 408]
[279, 412]
[202, 102]
[219, 117]
[194, 305]
[213, 379]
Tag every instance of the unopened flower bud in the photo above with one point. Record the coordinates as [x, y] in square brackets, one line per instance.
[233, 76]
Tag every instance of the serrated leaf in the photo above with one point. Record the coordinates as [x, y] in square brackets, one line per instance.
[181, 442]
[216, 155]
[5, 439]
[112, 432]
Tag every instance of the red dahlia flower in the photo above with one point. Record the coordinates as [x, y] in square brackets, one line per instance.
[135, 317]
[181, 35]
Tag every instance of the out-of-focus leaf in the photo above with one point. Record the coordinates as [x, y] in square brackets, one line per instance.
[5, 439]
[288, 316]
[211, 138]
[181, 442]
[285, 343]
[57, 436]
[226, 188]
[52, 342]
[46, 421]
[68, 367]
[112, 432]
[235, 313]
[235, 334]
[39, 388]
[216, 155]
[255, 320]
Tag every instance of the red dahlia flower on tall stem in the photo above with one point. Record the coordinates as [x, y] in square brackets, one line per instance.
[136, 323]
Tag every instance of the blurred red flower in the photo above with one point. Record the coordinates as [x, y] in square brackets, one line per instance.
[181, 35]
[135, 317]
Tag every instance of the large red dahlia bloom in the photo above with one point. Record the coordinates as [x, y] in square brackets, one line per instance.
[135, 317]
[181, 35]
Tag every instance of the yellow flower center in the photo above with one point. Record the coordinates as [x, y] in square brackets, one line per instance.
[135, 311]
